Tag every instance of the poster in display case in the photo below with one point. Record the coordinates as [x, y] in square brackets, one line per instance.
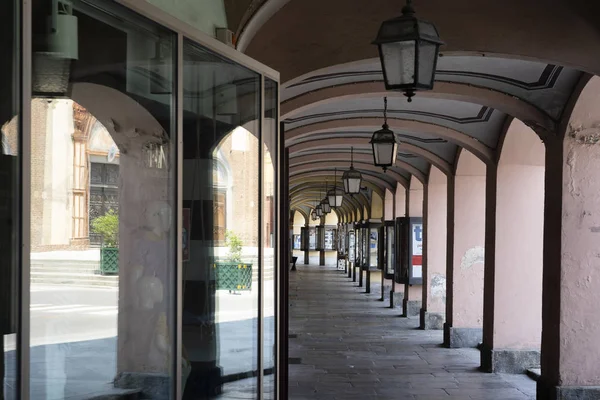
[351, 246]
[410, 248]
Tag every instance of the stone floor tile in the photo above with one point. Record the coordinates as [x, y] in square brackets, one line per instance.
[352, 346]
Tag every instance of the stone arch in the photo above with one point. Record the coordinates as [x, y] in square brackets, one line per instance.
[465, 258]
[513, 291]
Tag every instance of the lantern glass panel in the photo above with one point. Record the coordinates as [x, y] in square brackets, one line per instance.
[354, 185]
[325, 206]
[427, 61]
[399, 62]
[385, 153]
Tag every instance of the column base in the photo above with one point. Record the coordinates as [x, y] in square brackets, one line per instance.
[396, 299]
[153, 386]
[551, 392]
[432, 321]
[508, 361]
[368, 282]
[455, 338]
[411, 308]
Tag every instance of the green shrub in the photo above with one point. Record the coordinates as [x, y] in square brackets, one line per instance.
[235, 247]
[107, 226]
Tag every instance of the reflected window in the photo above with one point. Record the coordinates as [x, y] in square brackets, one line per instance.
[103, 235]
[221, 178]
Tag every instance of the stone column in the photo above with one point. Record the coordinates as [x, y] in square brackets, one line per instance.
[571, 283]
[514, 247]
[413, 294]
[306, 251]
[466, 232]
[434, 270]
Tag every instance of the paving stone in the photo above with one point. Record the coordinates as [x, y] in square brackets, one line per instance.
[352, 347]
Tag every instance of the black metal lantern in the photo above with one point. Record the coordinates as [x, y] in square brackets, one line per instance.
[408, 49]
[352, 178]
[313, 215]
[335, 195]
[326, 206]
[385, 146]
[319, 210]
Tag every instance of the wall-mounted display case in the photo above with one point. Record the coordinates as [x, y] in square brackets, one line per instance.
[374, 246]
[320, 238]
[330, 238]
[359, 244]
[296, 242]
[312, 238]
[389, 258]
[352, 246]
[410, 250]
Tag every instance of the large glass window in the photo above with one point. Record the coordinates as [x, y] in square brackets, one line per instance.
[103, 185]
[221, 189]
[269, 236]
[10, 134]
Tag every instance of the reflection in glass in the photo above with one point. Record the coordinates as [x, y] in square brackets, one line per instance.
[221, 184]
[102, 205]
[9, 197]
[269, 237]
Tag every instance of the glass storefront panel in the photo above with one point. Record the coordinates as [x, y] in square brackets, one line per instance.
[103, 185]
[10, 134]
[269, 237]
[221, 188]
[103, 210]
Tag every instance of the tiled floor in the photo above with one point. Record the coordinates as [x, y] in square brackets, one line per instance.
[352, 347]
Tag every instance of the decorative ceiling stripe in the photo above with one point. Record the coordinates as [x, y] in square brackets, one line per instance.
[547, 79]
[359, 134]
[484, 115]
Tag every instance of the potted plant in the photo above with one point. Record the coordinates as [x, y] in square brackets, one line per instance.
[233, 274]
[107, 226]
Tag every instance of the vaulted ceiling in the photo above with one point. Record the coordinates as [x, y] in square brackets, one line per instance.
[502, 60]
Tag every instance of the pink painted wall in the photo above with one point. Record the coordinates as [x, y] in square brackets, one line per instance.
[435, 294]
[415, 209]
[388, 212]
[469, 237]
[574, 326]
[400, 201]
[519, 240]
[415, 200]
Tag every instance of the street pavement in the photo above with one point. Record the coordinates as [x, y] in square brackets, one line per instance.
[74, 339]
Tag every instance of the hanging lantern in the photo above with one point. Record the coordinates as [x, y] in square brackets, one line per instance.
[385, 146]
[325, 206]
[408, 49]
[335, 195]
[319, 211]
[313, 215]
[352, 178]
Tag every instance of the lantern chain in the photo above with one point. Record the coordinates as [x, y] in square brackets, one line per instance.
[385, 111]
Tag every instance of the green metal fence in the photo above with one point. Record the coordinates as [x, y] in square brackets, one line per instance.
[233, 276]
[109, 261]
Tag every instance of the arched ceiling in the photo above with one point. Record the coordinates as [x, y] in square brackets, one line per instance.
[496, 65]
